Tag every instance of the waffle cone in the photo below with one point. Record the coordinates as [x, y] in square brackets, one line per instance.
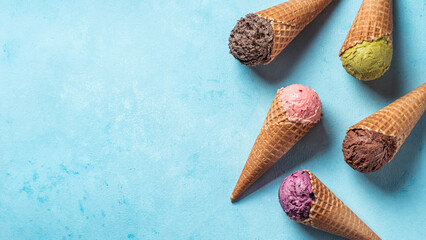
[328, 213]
[289, 19]
[398, 118]
[276, 137]
[374, 20]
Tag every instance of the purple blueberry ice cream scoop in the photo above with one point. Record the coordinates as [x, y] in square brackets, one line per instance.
[295, 195]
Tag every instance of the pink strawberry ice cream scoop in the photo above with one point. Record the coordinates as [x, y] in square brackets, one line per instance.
[296, 195]
[301, 104]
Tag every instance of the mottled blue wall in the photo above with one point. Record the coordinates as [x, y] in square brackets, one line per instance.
[129, 119]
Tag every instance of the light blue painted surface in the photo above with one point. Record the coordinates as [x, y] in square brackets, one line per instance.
[130, 120]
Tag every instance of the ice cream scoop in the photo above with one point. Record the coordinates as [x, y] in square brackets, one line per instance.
[305, 199]
[301, 104]
[295, 110]
[295, 195]
[368, 151]
[368, 60]
[251, 40]
[259, 37]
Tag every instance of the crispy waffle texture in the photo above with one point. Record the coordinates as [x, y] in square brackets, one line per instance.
[398, 118]
[276, 137]
[328, 213]
[289, 19]
[374, 20]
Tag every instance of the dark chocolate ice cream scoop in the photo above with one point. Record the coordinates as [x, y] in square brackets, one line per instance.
[367, 151]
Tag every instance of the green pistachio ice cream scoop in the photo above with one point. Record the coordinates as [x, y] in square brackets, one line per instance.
[368, 60]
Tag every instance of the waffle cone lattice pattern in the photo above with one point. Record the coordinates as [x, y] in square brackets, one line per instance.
[398, 118]
[330, 214]
[276, 137]
[374, 20]
[289, 19]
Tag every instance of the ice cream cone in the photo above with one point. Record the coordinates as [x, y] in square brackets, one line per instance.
[374, 20]
[276, 137]
[396, 120]
[328, 213]
[258, 38]
[289, 19]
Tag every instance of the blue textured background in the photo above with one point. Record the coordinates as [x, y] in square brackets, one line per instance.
[130, 120]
